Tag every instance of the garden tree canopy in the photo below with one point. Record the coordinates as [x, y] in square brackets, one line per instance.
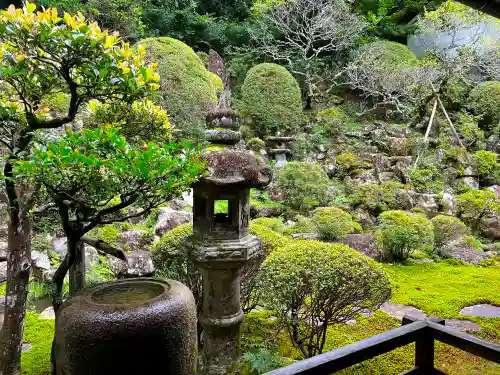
[387, 74]
[271, 97]
[41, 56]
[187, 89]
[93, 176]
[300, 33]
[313, 285]
[484, 101]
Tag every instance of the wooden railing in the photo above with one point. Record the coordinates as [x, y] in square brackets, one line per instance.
[422, 332]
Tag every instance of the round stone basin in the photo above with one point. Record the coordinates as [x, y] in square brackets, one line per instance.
[483, 310]
[128, 292]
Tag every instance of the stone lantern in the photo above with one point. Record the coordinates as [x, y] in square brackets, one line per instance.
[221, 244]
[280, 149]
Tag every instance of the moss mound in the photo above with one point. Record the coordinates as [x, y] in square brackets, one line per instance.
[188, 90]
[272, 98]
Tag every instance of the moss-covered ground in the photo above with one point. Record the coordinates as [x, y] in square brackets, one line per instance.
[440, 289]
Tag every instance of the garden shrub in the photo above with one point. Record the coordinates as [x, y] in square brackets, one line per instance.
[473, 205]
[486, 162]
[346, 162]
[447, 229]
[376, 198]
[302, 225]
[455, 92]
[109, 233]
[401, 233]
[309, 279]
[188, 90]
[468, 128]
[484, 100]
[427, 180]
[303, 185]
[333, 223]
[337, 120]
[272, 98]
[273, 223]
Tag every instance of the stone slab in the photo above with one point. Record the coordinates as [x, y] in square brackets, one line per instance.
[482, 310]
[463, 325]
[398, 311]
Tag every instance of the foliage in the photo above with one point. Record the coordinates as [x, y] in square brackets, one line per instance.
[270, 239]
[123, 15]
[333, 223]
[427, 179]
[473, 205]
[337, 119]
[468, 127]
[261, 360]
[99, 273]
[376, 197]
[447, 229]
[271, 97]
[455, 92]
[273, 223]
[346, 161]
[304, 185]
[484, 101]
[92, 168]
[109, 233]
[187, 89]
[473, 242]
[310, 279]
[256, 144]
[141, 119]
[401, 233]
[302, 225]
[486, 162]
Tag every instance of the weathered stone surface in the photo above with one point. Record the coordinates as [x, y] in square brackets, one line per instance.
[134, 240]
[386, 176]
[226, 136]
[3, 250]
[60, 246]
[41, 266]
[463, 325]
[396, 146]
[91, 256]
[48, 313]
[256, 212]
[366, 177]
[177, 204]
[405, 198]
[470, 182]
[364, 243]
[364, 218]
[169, 219]
[3, 272]
[427, 202]
[482, 310]
[398, 311]
[448, 203]
[495, 189]
[493, 144]
[464, 253]
[402, 168]
[138, 264]
[140, 326]
[490, 227]
[330, 170]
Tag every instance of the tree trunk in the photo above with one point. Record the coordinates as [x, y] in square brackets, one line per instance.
[18, 273]
[77, 270]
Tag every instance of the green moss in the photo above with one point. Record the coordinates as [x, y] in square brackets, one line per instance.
[109, 233]
[302, 225]
[39, 333]
[484, 100]
[188, 90]
[346, 161]
[272, 98]
[3, 289]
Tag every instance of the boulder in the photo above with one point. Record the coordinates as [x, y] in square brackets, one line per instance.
[364, 218]
[60, 246]
[402, 168]
[395, 146]
[169, 219]
[364, 243]
[405, 198]
[263, 211]
[177, 204]
[464, 253]
[330, 169]
[363, 178]
[386, 177]
[448, 203]
[4, 247]
[42, 269]
[470, 182]
[91, 256]
[138, 264]
[495, 189]
[493, 144]
[47, 314]
[428, 202]
[490, 227]
[381, 163]
[134, 240]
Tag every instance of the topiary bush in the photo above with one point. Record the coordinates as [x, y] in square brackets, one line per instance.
[188, 90]
[376, 198]
[309, 279]
[273, 223]
[401, 233]
[447, 229]
[333, 223]
[272, 98]
[484, 100]
[303, 185]
[473, 205]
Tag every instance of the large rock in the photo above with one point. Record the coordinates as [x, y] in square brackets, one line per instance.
[169, 219]
[495, 189]
[493, 144]
[470, 182]
[490, 227]
[134, 240]
[60, 246]
[4, 247]
[386, 177]
[364, 243]
[367, 177]
[42, 269]
[448, 203]
[395, 146]
[405, 198]
[91, 257]
[402, 169]
[464, 253]
[364, 218]
[428, 202]
[263, 211]
[138, 264]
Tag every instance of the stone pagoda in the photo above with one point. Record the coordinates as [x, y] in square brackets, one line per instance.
[280, 149]
[221, 244]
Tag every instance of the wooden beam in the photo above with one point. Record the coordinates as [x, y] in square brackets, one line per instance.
[339, 359]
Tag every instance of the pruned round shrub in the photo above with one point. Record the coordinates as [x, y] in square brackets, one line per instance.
[271, 97]
[484, 100]
[309, 279]
[401, 233]
[187, 89]
[447, 229]
[333, 223]
[270, 240]
[303, 185]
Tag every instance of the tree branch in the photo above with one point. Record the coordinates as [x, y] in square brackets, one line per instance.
[104, 247]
